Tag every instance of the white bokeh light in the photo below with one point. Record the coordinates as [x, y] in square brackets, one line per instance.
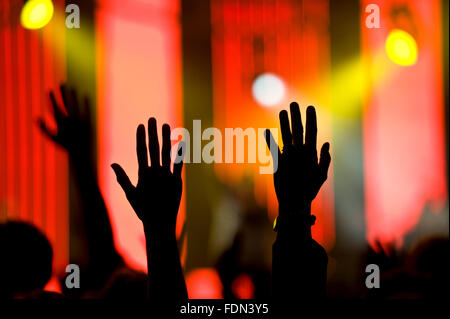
[268, 89]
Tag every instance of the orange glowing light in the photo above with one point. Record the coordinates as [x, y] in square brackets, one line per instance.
[204, 283]
[243, 287]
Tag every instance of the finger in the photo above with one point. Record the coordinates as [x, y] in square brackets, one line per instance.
[285, 129]
[324, 162]
[66, 99]
[274, 150]
[123, 179]
[57, 113]
[46, 130]
[272, 144]
[311, 128]
[178, 164]
[165, 152]
[153, 143]
[141, 148]
[297, 127]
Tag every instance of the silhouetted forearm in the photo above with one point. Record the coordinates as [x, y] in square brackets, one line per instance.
[166, 280]
[103, 256]
[299, 263]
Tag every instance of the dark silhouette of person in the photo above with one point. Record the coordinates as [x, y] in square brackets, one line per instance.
[75, 134]
[299, 263]
[421, 273]
[156, 200]
[26, 265]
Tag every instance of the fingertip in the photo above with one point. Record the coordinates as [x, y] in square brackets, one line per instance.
[294, 107]
[140, 129]
[63, 89]
[283, 114]
[51, 94]
[152, 121]
[166, 130]
[311, 110]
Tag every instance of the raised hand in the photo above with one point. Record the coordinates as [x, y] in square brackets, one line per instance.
[75, 133]
[300, 174]
[156, 197]
[299, 263]
[73, 121]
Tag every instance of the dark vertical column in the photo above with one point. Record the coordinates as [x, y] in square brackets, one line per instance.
[347, 152]
[199, 183]
[80, 59]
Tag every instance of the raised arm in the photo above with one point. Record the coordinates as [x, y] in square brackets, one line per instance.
[75, 134]
[156, 199]
[299, 263]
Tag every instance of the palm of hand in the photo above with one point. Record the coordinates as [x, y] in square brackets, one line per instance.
[299, 175]
[74, 130]
[157, 195]
[157, 190]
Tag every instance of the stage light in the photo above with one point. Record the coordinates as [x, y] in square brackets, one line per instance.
[268, 89]
[401, 47]
[204, 283]
[36, 13]
[243, 287]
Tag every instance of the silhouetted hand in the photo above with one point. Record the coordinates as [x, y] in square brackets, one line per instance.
[73, 121]
[156, 197]
[299, 175]
[299, 263]
[75, 133]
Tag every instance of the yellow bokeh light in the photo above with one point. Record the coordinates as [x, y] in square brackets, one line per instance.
[36, 14]
[401, 47]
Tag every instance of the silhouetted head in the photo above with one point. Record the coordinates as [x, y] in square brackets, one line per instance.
[26, 259]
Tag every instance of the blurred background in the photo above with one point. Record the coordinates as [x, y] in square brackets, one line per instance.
[381, 95]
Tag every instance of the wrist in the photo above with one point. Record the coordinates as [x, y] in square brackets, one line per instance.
[302, 207]
[161, 249]
[295, 221]
[159, 233]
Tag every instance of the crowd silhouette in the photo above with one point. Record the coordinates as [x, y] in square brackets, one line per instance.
[299, 263]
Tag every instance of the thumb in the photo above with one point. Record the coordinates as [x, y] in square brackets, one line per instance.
[123, 179]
